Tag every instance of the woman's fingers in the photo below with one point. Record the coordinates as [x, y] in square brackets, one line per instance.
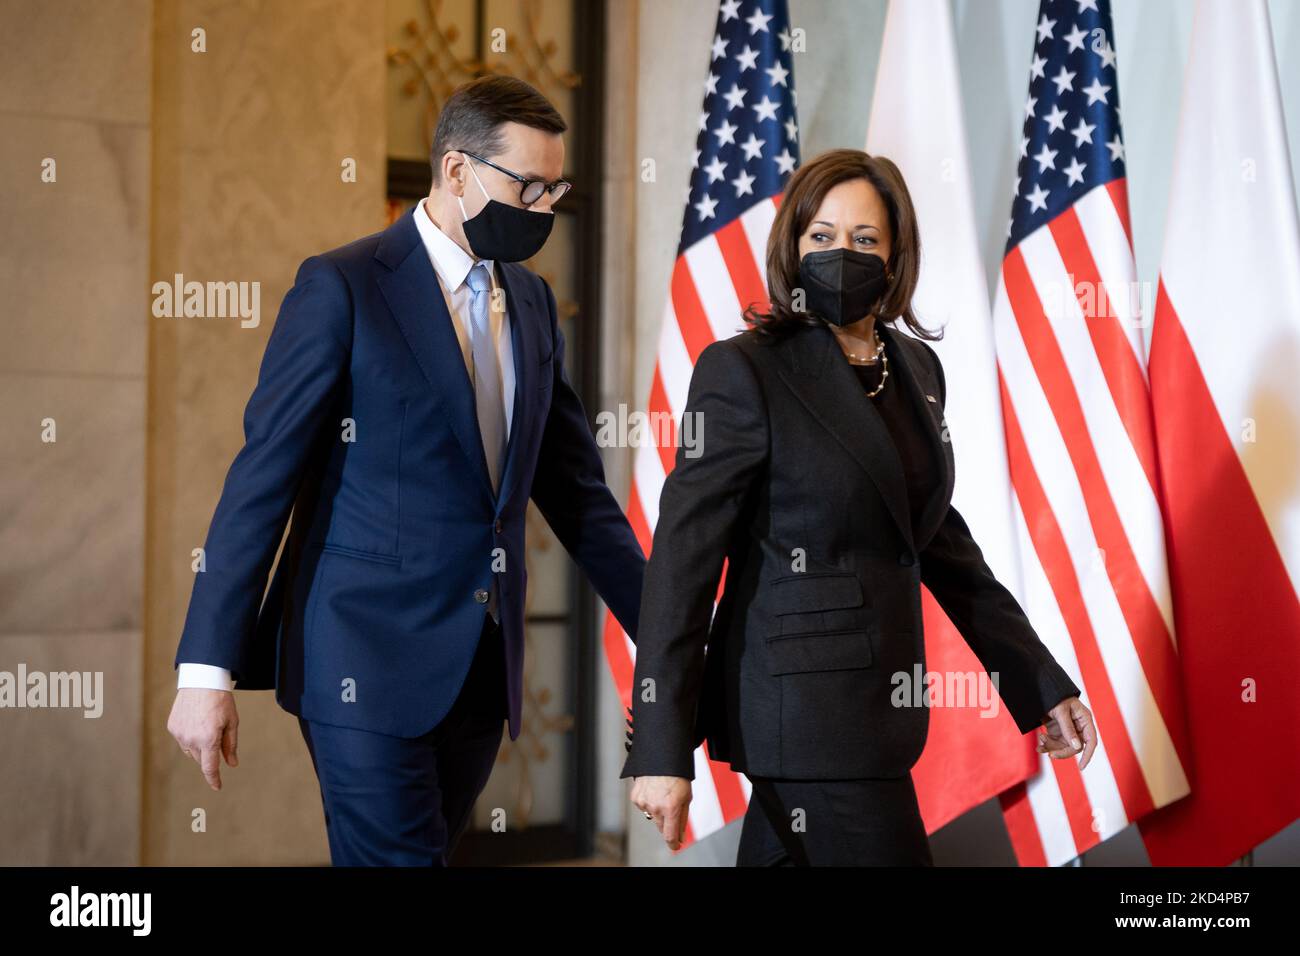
[1069, 732]
[1089, 732]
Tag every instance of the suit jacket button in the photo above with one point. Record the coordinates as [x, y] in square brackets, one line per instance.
[498, 526]
[481, 596]
[906, 560]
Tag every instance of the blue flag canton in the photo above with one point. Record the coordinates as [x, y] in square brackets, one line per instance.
[748, 144]
[1071, 140]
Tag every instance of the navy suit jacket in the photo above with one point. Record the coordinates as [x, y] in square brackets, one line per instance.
[363, 425]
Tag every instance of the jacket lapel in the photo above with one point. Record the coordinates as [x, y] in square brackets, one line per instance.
[522, 310]
[922, 388]
[823, 381]
[415, 298]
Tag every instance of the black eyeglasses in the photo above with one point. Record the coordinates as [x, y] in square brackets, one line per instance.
[530, 190]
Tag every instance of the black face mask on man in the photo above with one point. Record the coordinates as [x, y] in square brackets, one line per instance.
[503, 232]
[842, 285]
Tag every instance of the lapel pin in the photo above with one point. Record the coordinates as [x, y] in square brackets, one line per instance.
[931, 398]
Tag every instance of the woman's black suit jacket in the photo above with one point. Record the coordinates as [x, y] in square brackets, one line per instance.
[799, 485]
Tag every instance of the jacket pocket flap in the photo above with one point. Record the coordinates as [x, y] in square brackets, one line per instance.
[331, 548]
[800, 593]
[830, 651]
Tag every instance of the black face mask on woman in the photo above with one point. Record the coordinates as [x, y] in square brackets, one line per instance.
[504, 232]
[842, 285]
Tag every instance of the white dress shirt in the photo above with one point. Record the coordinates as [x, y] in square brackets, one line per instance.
[451, 264]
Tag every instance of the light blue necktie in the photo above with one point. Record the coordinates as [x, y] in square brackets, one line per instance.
[487, 385]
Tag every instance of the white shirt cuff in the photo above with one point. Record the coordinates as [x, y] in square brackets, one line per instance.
[204, 675]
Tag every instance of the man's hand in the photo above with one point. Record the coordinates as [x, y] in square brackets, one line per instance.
[205, 724]
[1069, 730]
[666, 799]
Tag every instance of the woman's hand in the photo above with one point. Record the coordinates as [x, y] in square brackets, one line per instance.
[1068, 729]
[666, 799]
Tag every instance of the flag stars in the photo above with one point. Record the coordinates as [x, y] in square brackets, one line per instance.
[765, 109]
[1096, 91]
[735, 97]
[726, 133]
[1107, 55]
[1046, 158]
[705, 207]
[1073, 98]
[758, 22]
[1055, 120]
[1075, 171]
[744, 184]
[737, 149]
[1038, 198]
[1064, 81]
[1083, 133]
[739, 158]
[753, 147]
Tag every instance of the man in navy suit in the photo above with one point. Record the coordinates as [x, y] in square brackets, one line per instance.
[412, 398]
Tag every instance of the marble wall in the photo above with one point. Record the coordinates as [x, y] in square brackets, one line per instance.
[220, 165]
[74, 263]
[249, 139]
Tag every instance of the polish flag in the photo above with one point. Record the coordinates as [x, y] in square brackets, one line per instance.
[1224, 361]
[916, 121]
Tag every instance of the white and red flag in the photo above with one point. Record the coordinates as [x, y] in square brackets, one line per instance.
[1224, 364]
[917, 121]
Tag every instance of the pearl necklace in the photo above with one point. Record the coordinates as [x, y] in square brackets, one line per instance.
[884, 366]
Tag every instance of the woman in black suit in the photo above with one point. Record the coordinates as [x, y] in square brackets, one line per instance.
[824, 476]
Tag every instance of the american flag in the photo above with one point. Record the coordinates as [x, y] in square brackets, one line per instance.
[746, 150]
[1082, 457]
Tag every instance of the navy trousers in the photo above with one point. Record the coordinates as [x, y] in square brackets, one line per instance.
[406, 801]
[866, 822]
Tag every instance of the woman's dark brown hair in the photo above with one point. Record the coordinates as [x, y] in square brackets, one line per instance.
[803, 197]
